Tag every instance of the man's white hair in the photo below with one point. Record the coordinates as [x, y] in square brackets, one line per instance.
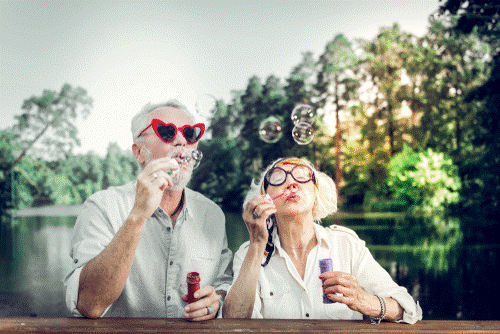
[141, 120]
[325, 192]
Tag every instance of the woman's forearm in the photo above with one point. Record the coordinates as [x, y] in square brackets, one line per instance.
[394, 310]
[372, 308]
[241, 298]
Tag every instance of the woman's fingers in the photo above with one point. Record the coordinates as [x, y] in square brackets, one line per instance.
[258, 206]
[256, 212]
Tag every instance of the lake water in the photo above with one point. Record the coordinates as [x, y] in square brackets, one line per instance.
[448, 264]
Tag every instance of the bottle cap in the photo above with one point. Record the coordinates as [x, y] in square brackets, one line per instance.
[325, 265]
[193, 277]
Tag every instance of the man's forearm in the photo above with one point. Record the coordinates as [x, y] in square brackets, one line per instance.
[103, 278]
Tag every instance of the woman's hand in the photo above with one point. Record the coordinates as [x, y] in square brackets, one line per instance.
[344, 288]
[256, 212]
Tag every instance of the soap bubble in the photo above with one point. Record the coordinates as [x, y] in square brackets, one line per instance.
[303, 113]
[206, 105]
[303, 133]
[196, 156]
[270, 130]
[193, 160]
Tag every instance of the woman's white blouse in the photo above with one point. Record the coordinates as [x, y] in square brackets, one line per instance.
[282, 293]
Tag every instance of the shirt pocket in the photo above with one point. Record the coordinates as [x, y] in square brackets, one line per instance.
[206, 267]
[277, 301]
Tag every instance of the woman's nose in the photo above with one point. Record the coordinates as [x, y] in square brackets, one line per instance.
[292, 186]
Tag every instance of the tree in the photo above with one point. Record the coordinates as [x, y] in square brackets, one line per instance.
[482, 15]
[48, 120]
[386, 59]
[481, 173]
[336, 87]
[450, 66]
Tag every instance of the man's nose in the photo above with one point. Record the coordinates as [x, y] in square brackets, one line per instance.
[179, 140]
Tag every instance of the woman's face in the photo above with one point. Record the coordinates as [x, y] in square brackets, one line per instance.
[296, 198]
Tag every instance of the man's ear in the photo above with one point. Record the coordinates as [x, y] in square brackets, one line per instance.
[137, 150]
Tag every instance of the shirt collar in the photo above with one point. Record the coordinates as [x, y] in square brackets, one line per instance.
[188, 208]
[321, 235]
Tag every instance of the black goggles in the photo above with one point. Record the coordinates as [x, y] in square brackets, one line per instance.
[276, 176]
[167, 132]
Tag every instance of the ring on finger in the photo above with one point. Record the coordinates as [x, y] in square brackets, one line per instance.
[255, 215]
[210, 310]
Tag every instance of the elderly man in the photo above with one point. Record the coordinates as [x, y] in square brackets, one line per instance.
[133, 245]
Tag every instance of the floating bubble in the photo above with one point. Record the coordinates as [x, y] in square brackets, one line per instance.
[206, 105]
[192, 160]
[196, 156]
[303, 133]
[303, 113]
[270, 130]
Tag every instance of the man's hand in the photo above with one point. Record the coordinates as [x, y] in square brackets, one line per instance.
[198, 310]
[151, 183]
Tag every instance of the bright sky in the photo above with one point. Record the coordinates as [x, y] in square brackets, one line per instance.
[129, 53]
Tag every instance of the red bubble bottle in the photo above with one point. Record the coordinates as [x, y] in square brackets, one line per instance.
[193, 283]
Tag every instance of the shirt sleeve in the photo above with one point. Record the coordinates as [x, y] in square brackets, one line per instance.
[224, 276]
[376, 280]
[91, 233]
[225, 271]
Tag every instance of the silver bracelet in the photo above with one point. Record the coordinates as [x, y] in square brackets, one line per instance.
[383, 312]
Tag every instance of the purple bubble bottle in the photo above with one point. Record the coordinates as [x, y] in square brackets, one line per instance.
[326, 265]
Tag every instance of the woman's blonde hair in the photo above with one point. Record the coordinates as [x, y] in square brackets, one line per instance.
[325, 193]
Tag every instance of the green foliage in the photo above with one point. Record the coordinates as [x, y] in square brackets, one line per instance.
[219, 176]
[360, 84]
[35, 182]
[480, 170]
[45, 128]
[423, 181]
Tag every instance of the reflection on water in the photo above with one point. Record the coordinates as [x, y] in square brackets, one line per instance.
[448, 264]
[33, 270]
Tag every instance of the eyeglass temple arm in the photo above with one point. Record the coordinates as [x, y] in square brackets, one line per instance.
[147, 127]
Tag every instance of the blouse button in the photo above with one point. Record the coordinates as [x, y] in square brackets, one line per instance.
[307, 315]
[271, 293]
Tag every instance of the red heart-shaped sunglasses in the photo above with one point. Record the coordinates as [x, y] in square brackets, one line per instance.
[167, 132]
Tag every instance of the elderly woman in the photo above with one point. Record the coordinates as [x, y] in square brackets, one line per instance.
[277, 271]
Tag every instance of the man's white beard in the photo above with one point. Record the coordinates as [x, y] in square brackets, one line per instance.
[181, 176]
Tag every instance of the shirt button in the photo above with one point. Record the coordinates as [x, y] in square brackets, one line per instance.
[168, 298]
[168, 229]
[307, 315]
[271, 293]
[171, 262]
[76, 260]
